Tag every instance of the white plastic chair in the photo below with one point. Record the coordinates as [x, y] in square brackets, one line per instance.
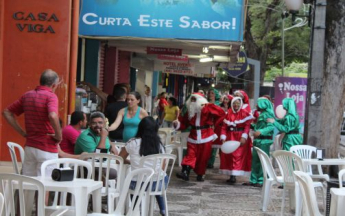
[142, 176]
[270, 177]
[341, 177]
[1, 203]
[104, 163]
[277, 142]
[163, 165]
[78, 167]
[305, 152]
[180, 143]
[165, 135]
[340, 156]
[309, 198]
[12, 148]
[289, 162]
[11, 182]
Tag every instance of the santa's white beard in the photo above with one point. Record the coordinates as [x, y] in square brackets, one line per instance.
[193, 109]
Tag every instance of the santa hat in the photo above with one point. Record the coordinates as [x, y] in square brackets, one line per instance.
[198, 95]
[200, 98]
[244, 96]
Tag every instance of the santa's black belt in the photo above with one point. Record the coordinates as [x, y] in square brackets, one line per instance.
[264, 137]
[293, 132]
[235, 129]
[201, 127]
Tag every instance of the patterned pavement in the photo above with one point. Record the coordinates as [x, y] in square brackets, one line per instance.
[215, 197]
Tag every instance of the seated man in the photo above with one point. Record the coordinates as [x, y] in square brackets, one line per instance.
[71, 132]
[96, 136]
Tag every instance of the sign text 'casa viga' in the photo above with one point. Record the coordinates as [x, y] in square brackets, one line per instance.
[33, 22]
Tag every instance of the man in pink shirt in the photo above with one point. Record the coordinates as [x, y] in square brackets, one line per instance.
[71, 132]
[42, 128]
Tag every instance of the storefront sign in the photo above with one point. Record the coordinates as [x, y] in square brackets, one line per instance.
[240, 67]
[37, 23]
[162, 50]
[292, 87]
[178, 68]
[183, 19]
[173, 58]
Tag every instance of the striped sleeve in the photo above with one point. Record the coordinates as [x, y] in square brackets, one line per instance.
[52, 104]
[16, 107]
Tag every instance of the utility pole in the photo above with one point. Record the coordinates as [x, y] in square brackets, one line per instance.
[313, 120]
[283, 44]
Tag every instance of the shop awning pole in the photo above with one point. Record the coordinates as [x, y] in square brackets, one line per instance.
[74, 56]
[82, 66]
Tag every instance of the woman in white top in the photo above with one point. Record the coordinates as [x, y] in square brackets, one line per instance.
[146, 142]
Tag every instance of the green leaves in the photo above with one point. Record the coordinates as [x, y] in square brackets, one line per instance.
[266, 23]
[295, 69]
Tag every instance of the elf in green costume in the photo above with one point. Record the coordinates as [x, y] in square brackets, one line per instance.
[263, 139]
[289, 125]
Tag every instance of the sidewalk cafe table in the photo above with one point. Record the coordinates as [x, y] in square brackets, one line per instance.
[80, 188]
[330, 184]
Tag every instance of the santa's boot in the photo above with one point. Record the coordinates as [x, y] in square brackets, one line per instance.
[200, 178]
[184, 174]
[231, 180]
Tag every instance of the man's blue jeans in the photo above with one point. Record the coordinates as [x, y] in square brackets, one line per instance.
[159, 198]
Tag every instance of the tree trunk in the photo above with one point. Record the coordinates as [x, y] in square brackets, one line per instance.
[333, 91]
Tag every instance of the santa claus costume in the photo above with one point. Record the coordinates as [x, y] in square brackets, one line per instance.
[201, 116]
[236, 127]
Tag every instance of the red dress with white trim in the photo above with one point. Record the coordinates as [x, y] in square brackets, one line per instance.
[201, 136]
[246, 107]
[237, 125]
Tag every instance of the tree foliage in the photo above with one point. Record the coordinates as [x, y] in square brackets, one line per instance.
[295, 69]
[263, 36]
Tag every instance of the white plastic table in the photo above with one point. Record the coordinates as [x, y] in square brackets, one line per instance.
[338, 201]
[80, 188]
[324, 162]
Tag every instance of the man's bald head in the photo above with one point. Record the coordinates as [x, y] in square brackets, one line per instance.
[49, 78]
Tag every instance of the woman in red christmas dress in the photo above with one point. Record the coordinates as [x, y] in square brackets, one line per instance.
[236, 127]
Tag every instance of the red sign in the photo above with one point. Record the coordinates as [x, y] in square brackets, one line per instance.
[173, 58]
[162, 50]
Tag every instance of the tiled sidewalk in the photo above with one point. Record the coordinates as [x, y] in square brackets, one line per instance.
[215, 197]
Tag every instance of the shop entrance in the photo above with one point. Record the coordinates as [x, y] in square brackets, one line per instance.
[177, 67]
